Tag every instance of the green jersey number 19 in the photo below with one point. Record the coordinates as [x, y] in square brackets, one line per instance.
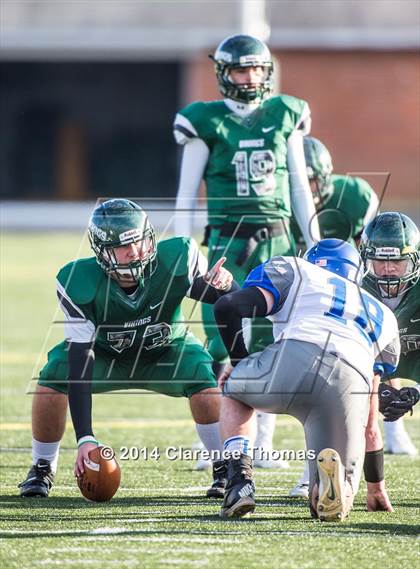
[258, 168]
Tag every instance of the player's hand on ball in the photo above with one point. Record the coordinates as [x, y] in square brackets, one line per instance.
[102, 475]
[218, 277]
[82, 456]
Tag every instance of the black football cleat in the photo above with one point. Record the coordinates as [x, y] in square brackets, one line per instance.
[39, 481]
[239, 499]
[217, 489]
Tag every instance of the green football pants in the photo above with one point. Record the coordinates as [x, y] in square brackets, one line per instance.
[181, 369]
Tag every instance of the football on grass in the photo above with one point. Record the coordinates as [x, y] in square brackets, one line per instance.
[102, 475]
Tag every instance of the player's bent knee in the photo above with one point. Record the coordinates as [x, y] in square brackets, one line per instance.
[207, 396]
[205, 405]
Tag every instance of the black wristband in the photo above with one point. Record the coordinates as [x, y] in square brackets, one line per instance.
[373, 466]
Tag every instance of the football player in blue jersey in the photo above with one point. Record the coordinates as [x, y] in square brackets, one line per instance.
[331, 340]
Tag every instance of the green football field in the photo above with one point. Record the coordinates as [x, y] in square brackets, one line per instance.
[160, 517]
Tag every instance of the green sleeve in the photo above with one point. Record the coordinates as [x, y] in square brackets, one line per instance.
[199, 115]
[284, 106]
[81, 280]
[353, 196]
[180, 257]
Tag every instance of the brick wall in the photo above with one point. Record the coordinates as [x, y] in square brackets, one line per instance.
[365, 108]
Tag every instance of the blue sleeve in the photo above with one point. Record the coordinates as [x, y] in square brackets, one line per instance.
[387, 361]
[259, 277]
[384, 369]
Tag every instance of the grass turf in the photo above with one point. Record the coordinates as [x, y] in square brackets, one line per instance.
[159, 516]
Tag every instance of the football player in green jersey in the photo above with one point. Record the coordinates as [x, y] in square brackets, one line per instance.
[390, 249]
[124, 329]
[248, 148]
[344, 204]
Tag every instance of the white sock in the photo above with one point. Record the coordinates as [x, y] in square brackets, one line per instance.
[46, 451]
[210, 437]
[393, 428]
[266, 423]
[238, 443]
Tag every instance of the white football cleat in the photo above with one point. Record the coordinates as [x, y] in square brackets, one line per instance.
[332, 503]
[264, 458]
[300, 490]
[397, 440]
[202, 463]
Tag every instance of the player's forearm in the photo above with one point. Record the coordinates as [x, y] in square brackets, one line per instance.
[372, 433]
[302, 202]
[229, 312]
[194, 160]
[373, 466]
[81, 360]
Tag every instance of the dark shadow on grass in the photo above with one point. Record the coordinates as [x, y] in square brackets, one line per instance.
[229, 527]
[69, 502]
[67, 509]
[401, 504]
[396, 504]
[382, 529]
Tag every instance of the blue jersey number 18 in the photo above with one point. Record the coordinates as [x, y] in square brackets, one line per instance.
[371, 314]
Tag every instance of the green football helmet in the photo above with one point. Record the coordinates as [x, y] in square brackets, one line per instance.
[116, 223]
[391, 236]
[243, 51]
[319, 169]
